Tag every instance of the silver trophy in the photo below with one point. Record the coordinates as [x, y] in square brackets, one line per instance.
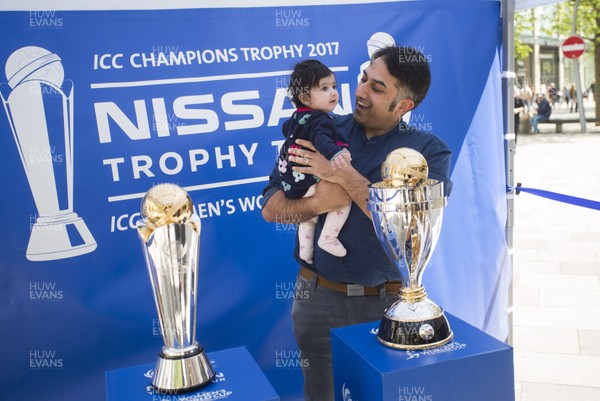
[407, 211]
[39, 106]
[170, 236]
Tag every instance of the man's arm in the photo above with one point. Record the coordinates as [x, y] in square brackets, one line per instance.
[357, 187]
[350, 180]
[328, 197]
[438, 156]
[278, 208]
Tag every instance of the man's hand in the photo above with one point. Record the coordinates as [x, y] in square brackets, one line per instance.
[327, 197]
[309, 161]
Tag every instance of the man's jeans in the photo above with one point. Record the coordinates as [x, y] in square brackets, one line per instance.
[316, 310]
[537, 119]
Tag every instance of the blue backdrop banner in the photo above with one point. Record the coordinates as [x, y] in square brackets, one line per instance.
[98, 106]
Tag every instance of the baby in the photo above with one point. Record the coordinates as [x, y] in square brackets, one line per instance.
[313, 91]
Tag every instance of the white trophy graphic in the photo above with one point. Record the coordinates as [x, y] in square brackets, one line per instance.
[377, 41]
[39, 106]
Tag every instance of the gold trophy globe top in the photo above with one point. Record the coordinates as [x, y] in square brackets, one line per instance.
[404, 167]
[165, 204]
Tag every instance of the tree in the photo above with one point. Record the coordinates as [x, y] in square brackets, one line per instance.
[587, 26]
[523, 23]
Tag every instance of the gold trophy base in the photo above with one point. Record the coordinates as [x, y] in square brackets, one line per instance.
[414, 322]
[182, 374]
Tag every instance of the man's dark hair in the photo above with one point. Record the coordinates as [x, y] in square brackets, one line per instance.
[410, 67]
[306, 75]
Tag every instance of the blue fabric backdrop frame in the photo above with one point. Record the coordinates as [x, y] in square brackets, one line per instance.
[67, 321]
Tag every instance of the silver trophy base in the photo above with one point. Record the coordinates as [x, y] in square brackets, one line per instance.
[411, 324]
[59, 237]
[175, 375]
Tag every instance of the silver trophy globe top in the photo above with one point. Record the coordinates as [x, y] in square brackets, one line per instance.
[407, 210]
[170, 236]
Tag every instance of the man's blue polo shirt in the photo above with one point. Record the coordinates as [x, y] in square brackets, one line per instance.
[365, 262]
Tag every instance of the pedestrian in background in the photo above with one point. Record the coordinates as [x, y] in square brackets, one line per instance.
[543, 112]
[519, 109]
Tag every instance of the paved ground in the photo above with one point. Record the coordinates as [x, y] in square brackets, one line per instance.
[557, 268]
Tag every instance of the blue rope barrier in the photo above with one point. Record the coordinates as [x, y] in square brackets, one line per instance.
[573, 200]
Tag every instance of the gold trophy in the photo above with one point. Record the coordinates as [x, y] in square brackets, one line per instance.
[407, 210]
[170, 236]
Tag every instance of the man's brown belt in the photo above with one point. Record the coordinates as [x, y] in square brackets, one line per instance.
[351, 290]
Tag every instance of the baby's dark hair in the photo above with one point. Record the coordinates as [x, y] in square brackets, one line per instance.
[306, 75]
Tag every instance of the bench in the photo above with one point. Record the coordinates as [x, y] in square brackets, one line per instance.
[559, 121]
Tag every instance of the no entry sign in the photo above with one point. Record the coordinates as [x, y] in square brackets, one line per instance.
[573, 47]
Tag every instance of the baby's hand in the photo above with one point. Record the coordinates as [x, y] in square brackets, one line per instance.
[340, 160]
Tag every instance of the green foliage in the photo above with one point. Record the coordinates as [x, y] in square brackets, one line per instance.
[556, 21]
[561, 19]
[521, 50]
[523, 25]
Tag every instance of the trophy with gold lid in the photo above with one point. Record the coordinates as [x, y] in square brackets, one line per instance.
[407, 210]
[170, 236]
